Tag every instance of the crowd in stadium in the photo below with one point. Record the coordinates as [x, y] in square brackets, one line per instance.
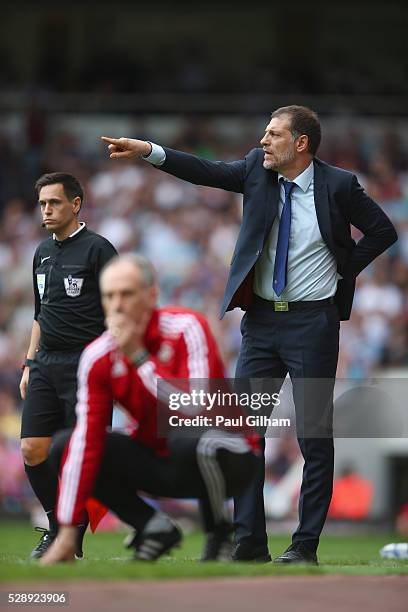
[189, 233]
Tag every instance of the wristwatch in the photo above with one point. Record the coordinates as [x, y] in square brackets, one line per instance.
[150, 152]
[139, 357]
[27, 363]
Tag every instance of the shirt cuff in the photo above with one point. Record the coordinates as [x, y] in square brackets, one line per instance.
[157, 156]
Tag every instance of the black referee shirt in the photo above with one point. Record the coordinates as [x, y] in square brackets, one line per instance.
[67, 299]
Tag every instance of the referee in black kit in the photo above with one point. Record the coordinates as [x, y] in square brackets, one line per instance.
[68, 316]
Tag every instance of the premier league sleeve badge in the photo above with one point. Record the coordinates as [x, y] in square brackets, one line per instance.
[73, 286]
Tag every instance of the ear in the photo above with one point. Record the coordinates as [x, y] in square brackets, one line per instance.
[76, 205]
[154, 295]
[302, 144]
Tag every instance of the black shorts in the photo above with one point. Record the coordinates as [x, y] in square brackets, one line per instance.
[51, 394]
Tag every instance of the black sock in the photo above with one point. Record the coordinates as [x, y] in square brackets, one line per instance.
[207, 516]
[81, 532]
[44, 482]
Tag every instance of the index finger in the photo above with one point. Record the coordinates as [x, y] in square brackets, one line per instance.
[113, 141]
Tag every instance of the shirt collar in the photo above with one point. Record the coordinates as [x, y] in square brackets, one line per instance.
[304, 179]
[81, 227]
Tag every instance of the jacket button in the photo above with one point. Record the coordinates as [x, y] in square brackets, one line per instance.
[258, 252]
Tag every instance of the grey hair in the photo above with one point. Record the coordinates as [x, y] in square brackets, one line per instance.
[140, 262]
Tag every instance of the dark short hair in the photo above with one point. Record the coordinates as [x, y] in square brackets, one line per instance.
[72, 187]
[303, 120]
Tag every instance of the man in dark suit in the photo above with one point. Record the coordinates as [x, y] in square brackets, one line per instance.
[293, 271]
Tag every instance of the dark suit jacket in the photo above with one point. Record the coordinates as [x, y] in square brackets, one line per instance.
[340, 202]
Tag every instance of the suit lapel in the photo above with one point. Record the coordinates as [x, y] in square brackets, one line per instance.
[272, 201]
[322, 203]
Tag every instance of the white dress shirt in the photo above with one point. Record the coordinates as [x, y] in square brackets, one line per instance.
[312, 268]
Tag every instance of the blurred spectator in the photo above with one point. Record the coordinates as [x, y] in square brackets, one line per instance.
[383, 184]
[352, 496]
[402, 520]
[13, 481]
[283, 475]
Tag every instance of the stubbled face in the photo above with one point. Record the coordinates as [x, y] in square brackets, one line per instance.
[278, 144]
[57, 211]
[124, 292]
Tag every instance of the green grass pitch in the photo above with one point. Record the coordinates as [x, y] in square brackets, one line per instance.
[106, 559]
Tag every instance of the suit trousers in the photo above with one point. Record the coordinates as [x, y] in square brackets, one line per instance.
[303, 343]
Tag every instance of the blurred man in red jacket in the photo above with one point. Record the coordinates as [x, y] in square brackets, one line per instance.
[145, 345]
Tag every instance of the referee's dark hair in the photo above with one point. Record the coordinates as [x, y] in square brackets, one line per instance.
[303, 120]
[72, 187]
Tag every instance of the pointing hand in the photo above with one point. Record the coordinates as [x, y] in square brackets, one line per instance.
[126, 148]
